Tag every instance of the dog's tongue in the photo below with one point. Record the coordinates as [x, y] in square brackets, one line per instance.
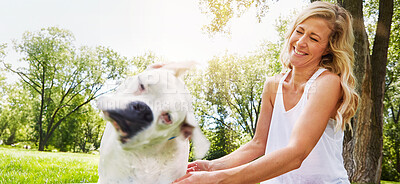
[118, 129]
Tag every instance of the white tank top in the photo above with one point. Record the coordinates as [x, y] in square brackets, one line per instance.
[325, 162]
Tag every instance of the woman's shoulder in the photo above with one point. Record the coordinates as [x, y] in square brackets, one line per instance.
[272, 82]
[327, 83]
[329, 77]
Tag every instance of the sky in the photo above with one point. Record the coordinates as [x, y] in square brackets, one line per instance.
[169, 28]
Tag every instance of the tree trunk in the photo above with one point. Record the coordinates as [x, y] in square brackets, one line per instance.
[378, 63]
[363, 147]
[41, 145]
[362, 72]
[11, 139]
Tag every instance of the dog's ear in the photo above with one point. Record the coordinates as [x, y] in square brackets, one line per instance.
[177, 68]
[200, 142]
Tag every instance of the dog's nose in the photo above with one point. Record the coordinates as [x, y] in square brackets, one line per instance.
[141, 109]
[131, 120]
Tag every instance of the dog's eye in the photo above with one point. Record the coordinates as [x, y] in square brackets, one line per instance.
[140, 89]
[166, 118]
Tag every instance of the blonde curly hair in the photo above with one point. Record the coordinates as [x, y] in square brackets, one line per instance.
[340, 58]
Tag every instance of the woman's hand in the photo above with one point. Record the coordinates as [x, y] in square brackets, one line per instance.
[199, 177]
[199, 165]
[199, 172]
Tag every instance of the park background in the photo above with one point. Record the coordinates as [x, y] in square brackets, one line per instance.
[58, 56]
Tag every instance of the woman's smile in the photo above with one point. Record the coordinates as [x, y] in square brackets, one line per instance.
[299, 52]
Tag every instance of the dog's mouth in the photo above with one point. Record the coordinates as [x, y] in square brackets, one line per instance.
[130, 121]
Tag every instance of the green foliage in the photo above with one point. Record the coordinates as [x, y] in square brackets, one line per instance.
[391, 147]
[227, 94]
[81, 131]
[227, 97]
[27, 166]
[2, 52]
[370, 10]
[225, 138]
[50, 105]
[16, 116]
[61, 77]
[2, 77]
[389, 182]
[140, 63]
[222, 11]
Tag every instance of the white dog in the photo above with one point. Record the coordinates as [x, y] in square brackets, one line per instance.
[152, 119]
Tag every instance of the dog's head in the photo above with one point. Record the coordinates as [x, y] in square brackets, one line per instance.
[153, 107]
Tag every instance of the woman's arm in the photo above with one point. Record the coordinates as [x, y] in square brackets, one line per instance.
[305, 135]
[254, 148]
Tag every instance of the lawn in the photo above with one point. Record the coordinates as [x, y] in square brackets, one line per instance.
[29, 166]
[389, 182]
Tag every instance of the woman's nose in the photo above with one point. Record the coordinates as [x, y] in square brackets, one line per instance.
[301, 42]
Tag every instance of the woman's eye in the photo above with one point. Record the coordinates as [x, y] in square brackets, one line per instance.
[313, 39]
[299, 32]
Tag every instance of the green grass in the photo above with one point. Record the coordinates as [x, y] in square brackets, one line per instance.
[29, 166]
[389, 182]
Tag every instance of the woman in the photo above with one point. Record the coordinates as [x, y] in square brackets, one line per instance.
[304, 112]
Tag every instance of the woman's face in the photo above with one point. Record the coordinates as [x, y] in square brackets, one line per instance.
[309, 42]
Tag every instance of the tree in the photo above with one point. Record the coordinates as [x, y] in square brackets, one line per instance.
[2, 78]
[364, 162]
[13, 120]
[15, 116]
[213, 112]
[140, 63]
[222, 11]
[81, 131]
[2, 52]
[57, 73]
[236, 84]
[227, 97]
[391, 155]
[363, 146]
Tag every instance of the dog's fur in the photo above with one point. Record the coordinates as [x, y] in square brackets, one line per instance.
[151, 120]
